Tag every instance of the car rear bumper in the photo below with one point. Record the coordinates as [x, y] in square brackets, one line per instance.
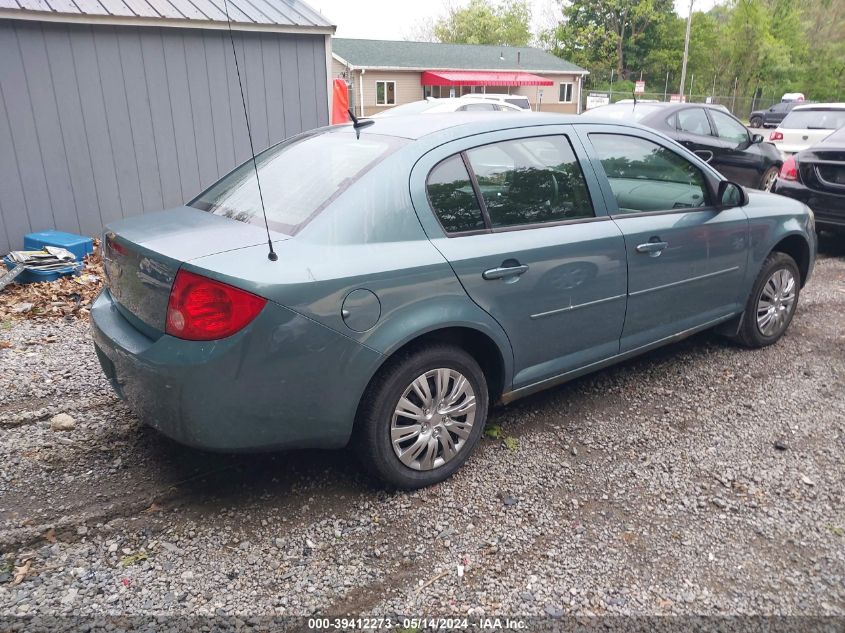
[282, 382]
[829, 208]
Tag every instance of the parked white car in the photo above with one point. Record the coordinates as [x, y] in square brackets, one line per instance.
[462, 104]
[806, 125]
[519, 101]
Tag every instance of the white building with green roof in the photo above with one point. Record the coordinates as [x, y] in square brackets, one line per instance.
[383, 73]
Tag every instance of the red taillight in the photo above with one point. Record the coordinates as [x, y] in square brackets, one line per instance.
[789, 169]
[201, 309]
[776, 136]
[114, 246]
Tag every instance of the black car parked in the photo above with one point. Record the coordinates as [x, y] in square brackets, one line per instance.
[711, 133]
[771, 117]
[816, 177]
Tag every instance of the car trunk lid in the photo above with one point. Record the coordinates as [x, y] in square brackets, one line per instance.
[823, 169]
[796, 140]
[141, 256]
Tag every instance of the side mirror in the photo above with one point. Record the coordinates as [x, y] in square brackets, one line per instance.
[757, 138]
[731, 194]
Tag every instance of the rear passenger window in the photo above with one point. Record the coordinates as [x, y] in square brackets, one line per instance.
[694, 121]
[478, 107]
[452, 197]
[645, 176]
[530, 181]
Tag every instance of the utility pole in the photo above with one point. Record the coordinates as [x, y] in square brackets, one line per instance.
[686, 49]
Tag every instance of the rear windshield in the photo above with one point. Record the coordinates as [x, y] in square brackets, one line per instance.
[837, 137]
[624, 112]
[521, 103]
[814, 119]
[299, 178]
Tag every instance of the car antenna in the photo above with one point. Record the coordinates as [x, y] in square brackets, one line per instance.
[272, 254]
[358, 124]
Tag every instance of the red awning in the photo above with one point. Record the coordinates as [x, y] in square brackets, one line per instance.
[481, 78]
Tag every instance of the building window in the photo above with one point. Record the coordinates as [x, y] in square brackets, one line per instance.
[565, 93]
[385, 93]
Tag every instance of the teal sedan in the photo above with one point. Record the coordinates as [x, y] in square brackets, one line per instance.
[428, 268]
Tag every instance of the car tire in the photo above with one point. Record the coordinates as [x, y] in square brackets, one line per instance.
[772, 286]
[767, 181]
[381, 432]
[755, 122]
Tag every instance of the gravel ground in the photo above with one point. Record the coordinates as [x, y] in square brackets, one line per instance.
[699, 479]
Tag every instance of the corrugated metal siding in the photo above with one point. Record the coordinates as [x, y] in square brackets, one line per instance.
[99, 122]
[275, 12]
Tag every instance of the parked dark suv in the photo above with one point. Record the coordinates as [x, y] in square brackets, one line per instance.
[711, 133]
[816, 177]
[771, 117]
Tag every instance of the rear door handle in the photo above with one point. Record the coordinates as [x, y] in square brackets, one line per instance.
[504, 271]
[652, 248]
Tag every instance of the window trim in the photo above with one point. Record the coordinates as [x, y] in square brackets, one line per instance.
[485, 215]
[571, 85]
[385, 82]
[475, 190]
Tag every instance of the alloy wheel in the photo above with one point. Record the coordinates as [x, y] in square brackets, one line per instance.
[433, 419]
[770, 180]
[777, 299]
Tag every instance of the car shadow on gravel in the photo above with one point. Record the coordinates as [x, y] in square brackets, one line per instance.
[202, 482]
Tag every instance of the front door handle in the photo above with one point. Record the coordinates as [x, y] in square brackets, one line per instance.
[652, 248]
[505, 271]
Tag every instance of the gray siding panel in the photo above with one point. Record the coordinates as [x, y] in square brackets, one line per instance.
[61, 209]
[103, 122]
[72, 125]
[117, 118]
[13, 214]
[96, 124]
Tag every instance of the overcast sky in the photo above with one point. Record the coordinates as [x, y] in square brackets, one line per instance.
[396, 19]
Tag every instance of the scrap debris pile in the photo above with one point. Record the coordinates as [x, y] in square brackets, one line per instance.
[69, 296]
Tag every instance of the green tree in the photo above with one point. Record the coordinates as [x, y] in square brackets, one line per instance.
[616, 34]
[507, 23]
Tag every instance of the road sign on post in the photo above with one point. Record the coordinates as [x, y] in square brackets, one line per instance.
[639, 87]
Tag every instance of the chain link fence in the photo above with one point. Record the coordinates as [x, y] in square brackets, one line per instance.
[740, 105]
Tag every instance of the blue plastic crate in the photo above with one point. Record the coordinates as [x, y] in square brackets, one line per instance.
[33, 276]
[79, 245]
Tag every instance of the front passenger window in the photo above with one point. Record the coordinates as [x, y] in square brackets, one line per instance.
[645, 176]
[728, 128]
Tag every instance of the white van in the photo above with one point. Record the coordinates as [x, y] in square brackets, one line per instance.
[792, 96]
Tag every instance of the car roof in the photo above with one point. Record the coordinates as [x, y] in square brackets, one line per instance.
[417, 126]
[820, 106]
[461, 100]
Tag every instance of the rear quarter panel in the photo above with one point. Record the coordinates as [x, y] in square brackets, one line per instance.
[369, 238]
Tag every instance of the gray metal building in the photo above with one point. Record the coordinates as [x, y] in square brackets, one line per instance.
[109, 108]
